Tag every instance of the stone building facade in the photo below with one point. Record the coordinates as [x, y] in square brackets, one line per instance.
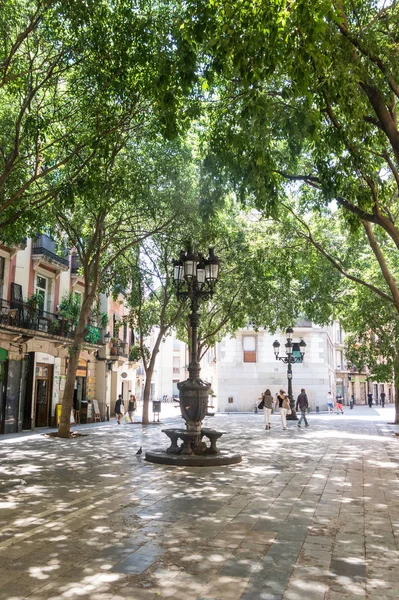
[35, 337]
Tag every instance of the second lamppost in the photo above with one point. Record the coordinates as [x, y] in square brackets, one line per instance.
[289, 359]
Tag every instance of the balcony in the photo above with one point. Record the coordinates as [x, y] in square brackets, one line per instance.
[119, 350]
[21, 315]
[44, 250]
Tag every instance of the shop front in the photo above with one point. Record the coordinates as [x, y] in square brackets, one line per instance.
[80, 391]
[3, 383]
[43, 390]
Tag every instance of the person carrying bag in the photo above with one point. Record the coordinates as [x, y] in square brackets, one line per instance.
[283, 402]
[267, 405]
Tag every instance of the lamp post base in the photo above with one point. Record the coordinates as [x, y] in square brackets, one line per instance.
[293, 416]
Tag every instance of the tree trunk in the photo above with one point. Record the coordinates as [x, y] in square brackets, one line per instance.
[148, 377]
[396, 380]
[396, 405]
[64, 428]
[147, 392]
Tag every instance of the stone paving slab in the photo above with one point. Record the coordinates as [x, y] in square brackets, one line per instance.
[310, 514]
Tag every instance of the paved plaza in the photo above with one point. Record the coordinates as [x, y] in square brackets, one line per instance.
[309, 514]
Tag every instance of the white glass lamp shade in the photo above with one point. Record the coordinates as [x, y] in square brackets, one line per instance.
[276, 347]
[201, 273]
[190, 265]
[212, 267]
[302, 346]
[288, 347]
[178, 271]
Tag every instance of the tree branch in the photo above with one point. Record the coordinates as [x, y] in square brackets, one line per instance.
[309, 237]
[383, 265]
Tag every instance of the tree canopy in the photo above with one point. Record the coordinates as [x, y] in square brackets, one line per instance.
[74, 76]
[302, 100]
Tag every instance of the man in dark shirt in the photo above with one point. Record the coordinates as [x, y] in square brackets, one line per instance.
[302, 403]
[382, 396]
[370, 399]
[119, 405]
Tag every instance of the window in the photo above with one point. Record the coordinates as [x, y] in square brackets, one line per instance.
[176, 364]
[175, 390]
[116, 324]
[125, 331]
[42, 285]
[249, 348]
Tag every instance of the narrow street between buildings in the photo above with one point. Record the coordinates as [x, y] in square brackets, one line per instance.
[309, 514]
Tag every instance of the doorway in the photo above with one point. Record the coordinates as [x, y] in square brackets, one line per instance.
[80, 392]
[43, 395]
[3, 383]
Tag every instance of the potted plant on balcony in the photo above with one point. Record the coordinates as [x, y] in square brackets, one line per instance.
[69, 307]
[54, 326]
[93, 334]
[33, 304]
[134, 354]
[103, 320]
[115, 345]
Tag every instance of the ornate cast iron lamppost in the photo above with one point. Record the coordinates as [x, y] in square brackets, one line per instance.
[195, 279]
[289, 359]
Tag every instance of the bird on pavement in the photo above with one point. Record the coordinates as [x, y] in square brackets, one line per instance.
[139, 451]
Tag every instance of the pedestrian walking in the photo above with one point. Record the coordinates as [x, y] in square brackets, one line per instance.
[132, 407]
[382, 396]
[303, 404]
[283, 402]
[370, 399]
[330, 403]
[267, 400]
[339, 405]
[119, 406]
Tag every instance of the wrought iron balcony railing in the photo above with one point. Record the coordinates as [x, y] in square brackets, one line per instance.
[22, 315]
[119, 349]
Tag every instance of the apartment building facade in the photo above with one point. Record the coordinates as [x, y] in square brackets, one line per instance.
[35, 336]
[239, 368]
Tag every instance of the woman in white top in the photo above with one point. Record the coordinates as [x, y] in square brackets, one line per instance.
[283, 402]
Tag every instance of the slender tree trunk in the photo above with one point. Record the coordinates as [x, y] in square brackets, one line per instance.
[64, 428]
[148, 377]
[396, 380]
[147, 392]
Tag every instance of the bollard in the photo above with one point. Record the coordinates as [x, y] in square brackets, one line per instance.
[351, 404]
[317, 409]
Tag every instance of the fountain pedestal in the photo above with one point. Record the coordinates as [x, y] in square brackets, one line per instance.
[193, 450]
